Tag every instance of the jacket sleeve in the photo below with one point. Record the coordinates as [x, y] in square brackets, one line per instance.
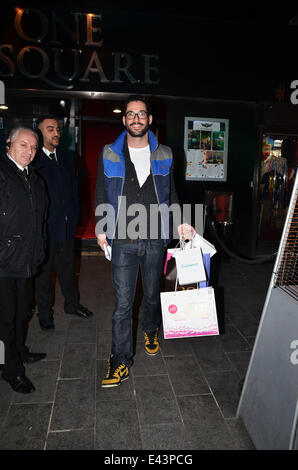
[75, 189]
[68, 161]
[173, 193]
[174, 199]
[2, 189]
[43, 234]
[99, 198]
[45, 216]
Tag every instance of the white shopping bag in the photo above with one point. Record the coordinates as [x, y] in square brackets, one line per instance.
[190, 266]
[200, 242]
[197, 243]
[189, 313]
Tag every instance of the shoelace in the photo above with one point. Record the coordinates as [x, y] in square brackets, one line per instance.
[152, 338]
[115, 371]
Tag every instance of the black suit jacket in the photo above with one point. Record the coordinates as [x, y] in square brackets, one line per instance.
[23, 203]
[62, 187]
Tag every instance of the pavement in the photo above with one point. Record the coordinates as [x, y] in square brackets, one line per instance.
[184, 398]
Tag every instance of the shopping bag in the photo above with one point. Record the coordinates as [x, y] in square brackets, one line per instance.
[206, 260]
[189, 313]
[200, 242]
[190, 266]
[199, 247]
[170, 269]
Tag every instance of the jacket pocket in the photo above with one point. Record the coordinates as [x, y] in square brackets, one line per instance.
[161, 167]
[112, 169]
[10, 252]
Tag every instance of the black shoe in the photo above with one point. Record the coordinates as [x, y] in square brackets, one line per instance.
[21, 384]
[86, 310]
[33, 357]
[117, 373]
[46, 325]
[82, 312]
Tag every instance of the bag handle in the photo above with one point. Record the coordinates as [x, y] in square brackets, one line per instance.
[182, 247]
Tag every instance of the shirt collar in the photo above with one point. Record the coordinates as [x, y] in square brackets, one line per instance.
[47, 152]
[17, 164]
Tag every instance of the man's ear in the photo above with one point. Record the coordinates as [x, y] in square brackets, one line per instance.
[8, 143]
[40, 137]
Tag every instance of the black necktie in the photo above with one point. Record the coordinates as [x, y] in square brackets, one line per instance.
[24, 172]
[53, 158]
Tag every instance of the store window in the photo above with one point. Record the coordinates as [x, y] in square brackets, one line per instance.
[278, 171]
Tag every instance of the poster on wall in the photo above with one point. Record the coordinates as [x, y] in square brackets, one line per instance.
[206, 148]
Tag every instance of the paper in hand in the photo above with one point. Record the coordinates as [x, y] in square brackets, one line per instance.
[108, 252]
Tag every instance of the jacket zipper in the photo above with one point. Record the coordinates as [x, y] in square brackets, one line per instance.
[122, 193]
[30, 192]
[118, 212]
[158, 202]
[32, 207]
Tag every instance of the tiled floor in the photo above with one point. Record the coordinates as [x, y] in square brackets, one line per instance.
[184, 398]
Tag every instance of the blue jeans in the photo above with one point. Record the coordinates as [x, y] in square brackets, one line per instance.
[126, 259]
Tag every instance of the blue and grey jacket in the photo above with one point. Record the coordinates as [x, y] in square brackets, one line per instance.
[111, 178]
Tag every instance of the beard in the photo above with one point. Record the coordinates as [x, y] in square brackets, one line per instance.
[138, 133]
[55, 142]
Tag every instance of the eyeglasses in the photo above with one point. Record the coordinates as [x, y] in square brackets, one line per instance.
[140, 114]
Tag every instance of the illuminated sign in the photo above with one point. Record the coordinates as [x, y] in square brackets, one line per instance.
[68, 51]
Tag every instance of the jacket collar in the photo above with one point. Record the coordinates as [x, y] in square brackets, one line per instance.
[15, 168]
[41, 160]
[118, 145]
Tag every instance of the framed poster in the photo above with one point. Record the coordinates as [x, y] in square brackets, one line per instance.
[206, 148]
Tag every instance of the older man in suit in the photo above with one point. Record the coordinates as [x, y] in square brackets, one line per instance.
[23, 204]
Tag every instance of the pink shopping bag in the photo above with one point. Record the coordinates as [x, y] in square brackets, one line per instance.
[189, 312]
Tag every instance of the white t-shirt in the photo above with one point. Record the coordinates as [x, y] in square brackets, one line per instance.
[140, 157]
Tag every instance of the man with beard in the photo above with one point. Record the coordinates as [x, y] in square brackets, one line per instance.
[134, 172]
[57, 169]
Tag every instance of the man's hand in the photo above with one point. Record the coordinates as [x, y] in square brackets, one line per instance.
[186, 232]
[102, 241]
